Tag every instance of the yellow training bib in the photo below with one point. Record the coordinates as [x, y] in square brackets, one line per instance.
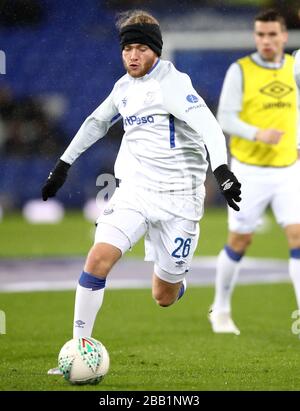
[269, 101]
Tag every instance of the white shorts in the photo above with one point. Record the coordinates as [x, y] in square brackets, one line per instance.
[170, 241]
[261, 187]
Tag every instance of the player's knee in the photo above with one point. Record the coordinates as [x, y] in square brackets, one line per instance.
[98, 264]
[239, 243]
[101, 258]
[104, 267]
[294, 242]
[246, 242]
[162, 299]
[293, 236]
[164, 303]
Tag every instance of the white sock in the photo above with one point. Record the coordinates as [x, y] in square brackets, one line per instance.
[226, 277]
[87, 305]
[294, 270]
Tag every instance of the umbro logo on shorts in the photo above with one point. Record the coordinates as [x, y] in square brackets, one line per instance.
[181, 262]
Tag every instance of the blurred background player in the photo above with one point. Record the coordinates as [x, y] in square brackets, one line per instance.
[297, 74]
[258, 108]
[297, 78]
[161, 165]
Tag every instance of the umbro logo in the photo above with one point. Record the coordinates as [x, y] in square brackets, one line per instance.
[79, 323]
[276, 89]
[227, 184]
[181, 262]
[108, 211]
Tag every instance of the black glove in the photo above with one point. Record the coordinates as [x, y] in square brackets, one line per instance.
[229, 185]
[55, 180]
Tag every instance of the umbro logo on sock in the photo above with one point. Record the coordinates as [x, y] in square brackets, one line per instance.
[79, 323]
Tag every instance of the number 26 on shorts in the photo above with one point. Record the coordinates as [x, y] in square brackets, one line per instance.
[183, 249]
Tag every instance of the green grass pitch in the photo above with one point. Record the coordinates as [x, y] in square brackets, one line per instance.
[74, 236]
[153, 348]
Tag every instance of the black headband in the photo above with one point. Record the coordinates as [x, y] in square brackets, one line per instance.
[142, 33]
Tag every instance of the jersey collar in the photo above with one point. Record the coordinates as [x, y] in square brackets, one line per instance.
[153, 67]
[261, 62]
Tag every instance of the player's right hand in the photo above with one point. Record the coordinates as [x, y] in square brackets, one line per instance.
[269, 136]
[55, 180]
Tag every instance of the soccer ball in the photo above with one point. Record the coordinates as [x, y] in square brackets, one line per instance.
[83, 361]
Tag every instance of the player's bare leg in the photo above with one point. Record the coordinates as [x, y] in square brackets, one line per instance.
[165, 293]
[226, 277]
[101, 258]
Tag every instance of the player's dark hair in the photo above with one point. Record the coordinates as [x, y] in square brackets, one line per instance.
[271, 15]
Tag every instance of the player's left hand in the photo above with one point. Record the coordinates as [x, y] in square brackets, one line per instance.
[55, 180]
[229, 186]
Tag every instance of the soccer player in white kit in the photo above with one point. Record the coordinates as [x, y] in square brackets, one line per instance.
[161, 167]
[258, 108]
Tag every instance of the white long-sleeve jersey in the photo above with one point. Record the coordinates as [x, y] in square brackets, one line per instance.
[167, 126]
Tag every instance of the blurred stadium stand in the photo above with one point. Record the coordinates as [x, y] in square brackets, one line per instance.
[69, 49]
